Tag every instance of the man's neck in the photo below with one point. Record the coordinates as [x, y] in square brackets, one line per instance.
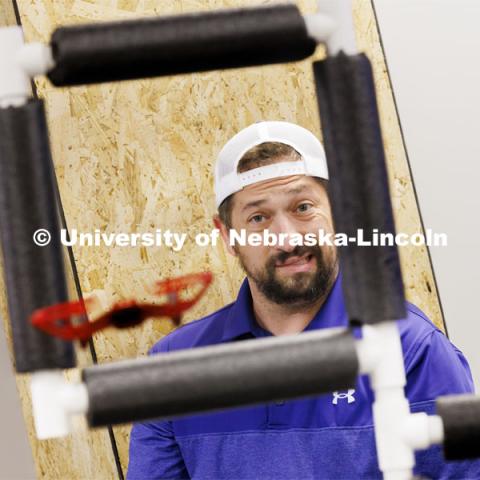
[285, 319]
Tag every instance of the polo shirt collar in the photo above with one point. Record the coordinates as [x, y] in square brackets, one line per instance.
[241, 321]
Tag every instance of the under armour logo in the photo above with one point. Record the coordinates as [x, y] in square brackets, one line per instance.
[349, 396]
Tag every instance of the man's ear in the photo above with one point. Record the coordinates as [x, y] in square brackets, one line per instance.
[224, 232]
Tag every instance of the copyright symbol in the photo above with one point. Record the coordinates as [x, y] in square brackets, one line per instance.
[42, 237]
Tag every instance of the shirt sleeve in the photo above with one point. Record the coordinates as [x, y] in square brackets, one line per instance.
[154, 453]
[438, 368]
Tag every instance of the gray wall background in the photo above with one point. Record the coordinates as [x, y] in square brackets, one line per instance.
[16, 462]
[433, 53]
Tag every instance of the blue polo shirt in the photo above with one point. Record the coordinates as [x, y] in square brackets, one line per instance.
[324, 437]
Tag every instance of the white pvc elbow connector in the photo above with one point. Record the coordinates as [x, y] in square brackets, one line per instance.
[380, 355]
[14, 81]
[398, 433]
[343, 36]
[54, 402]
[319, 26]
[35, 59]
[422, 430]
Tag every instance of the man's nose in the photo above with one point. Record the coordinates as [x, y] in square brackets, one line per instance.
[282, 224]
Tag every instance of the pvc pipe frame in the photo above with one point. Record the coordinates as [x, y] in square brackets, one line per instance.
[55, 401]
[20, 62]
[397, 432]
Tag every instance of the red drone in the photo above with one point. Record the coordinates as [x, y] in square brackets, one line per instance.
[57, 319]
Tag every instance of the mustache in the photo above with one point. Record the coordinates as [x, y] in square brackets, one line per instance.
[298, 251]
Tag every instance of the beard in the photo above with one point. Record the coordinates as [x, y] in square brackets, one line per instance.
[298, 289]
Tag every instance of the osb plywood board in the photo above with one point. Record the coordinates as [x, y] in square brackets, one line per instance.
[85, 454]
[138, 156]
[7, 14]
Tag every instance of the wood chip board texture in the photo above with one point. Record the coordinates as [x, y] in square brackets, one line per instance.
[138, 155]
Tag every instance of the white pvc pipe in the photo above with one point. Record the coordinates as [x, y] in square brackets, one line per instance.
[368, 353]
[398, 475]
[54, 402]
[35, 59]
[319, 26]
[422, 430]
[19, 63]
[398, 433]
[343, 36]
[436, 430]
[14, 82]
[390, 409]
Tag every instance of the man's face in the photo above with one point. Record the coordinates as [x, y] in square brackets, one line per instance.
[288, 275]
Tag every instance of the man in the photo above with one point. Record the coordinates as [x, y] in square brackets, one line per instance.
[273, 176]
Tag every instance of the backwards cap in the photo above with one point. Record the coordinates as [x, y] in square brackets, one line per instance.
[228, 181]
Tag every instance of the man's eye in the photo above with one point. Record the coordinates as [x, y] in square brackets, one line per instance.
[303, 207]
[256, 219]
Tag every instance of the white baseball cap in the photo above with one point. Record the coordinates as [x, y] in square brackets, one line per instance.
[228, 181]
